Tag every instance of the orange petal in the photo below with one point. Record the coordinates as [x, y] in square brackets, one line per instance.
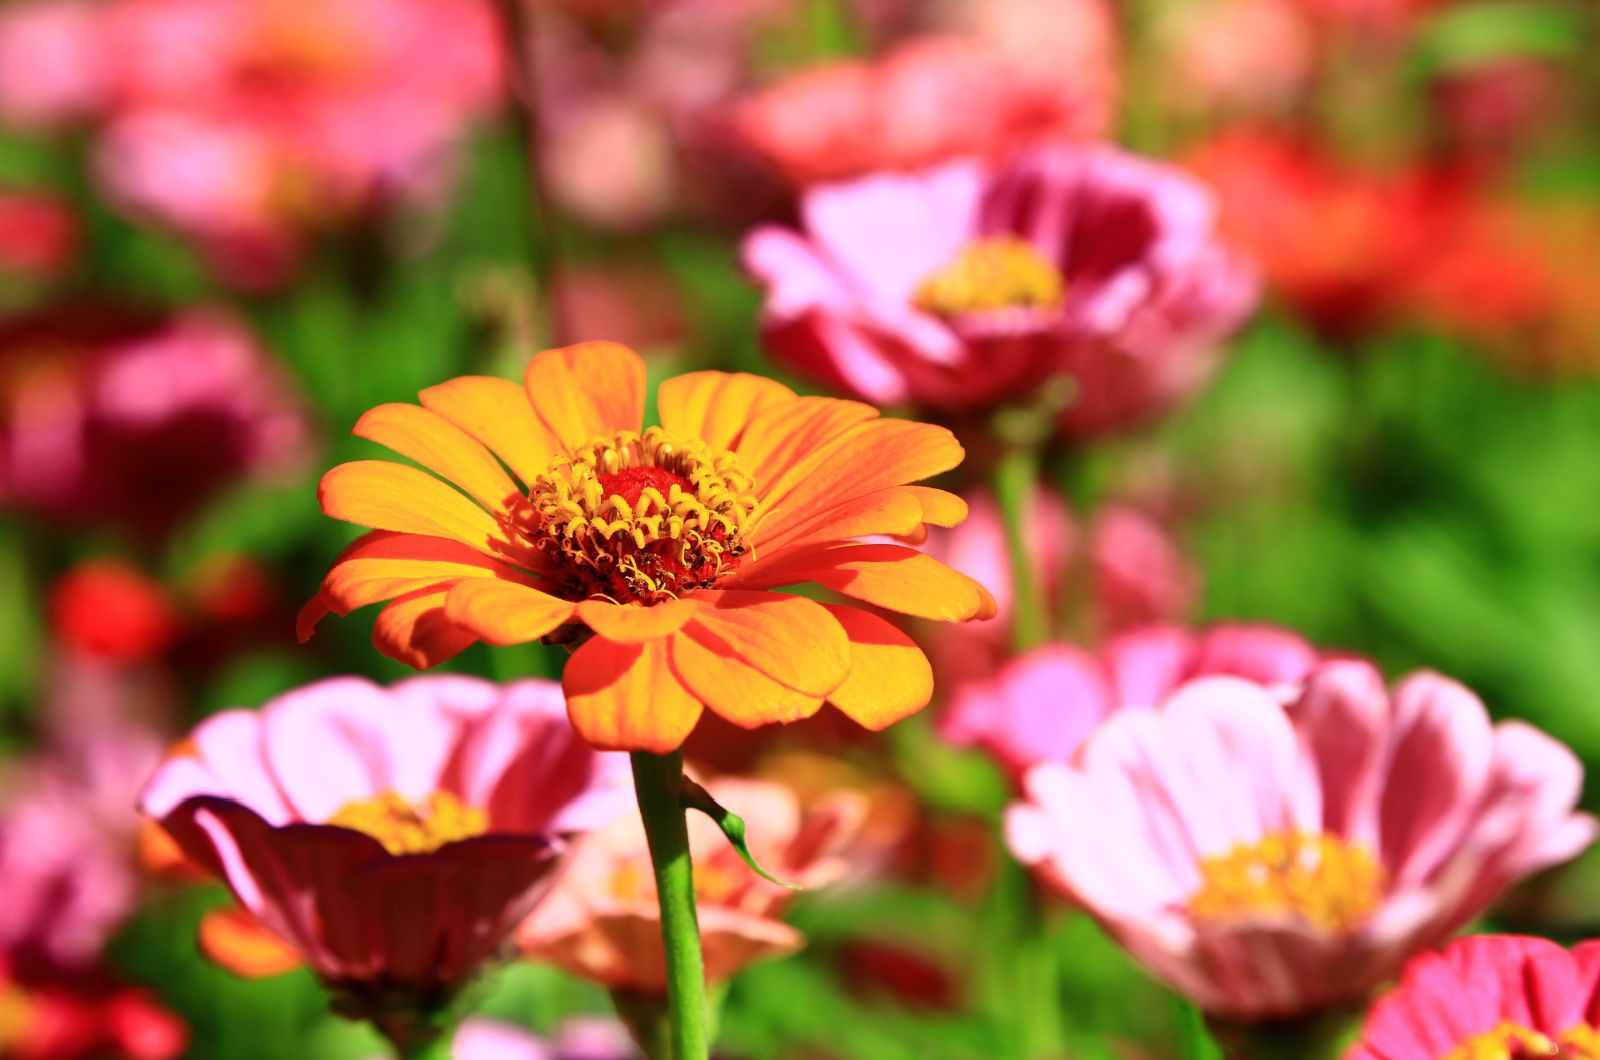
[791, 639]
[381, 565]
[940, 507]
[497, 413]
[626, 697]
[305, 623]
[234, 939]
[631, 623]
[585, 391]
[716, 406]
[441, 447]
[890, 678]
[502, 612]
[784, 433]
[892, 511]
[415, 630]
[889, 576]
[868, 457]
[395, 497]
[734, 689]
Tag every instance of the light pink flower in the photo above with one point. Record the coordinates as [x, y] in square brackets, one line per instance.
[602, 923]
[392, 836]
[54, 66]
[1255, 56]
[930, 100]
[576, 1039]
[960, 289]
[137, 422]
[1040, 707]
[1275, 851]
[1490, 996]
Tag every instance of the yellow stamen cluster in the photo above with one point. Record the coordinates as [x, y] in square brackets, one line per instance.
[1000, 273]
[640, 517]
[405, 827]
[1321, 880]
[1510, 1041]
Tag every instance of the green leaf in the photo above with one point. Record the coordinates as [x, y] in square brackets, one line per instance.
[697, 798]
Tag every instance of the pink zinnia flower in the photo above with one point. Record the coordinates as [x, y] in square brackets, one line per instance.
[393, 837]
[1276, 851]
[930, 100]
[1041, 706]
[959, 289]
[53, 62]
[38, 234]
[134, 422]
[602, 922]
[1490, 996]
[575, 1039]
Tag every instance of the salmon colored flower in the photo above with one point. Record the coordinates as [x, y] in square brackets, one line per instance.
[1041, 706]
[602, 922]
[111, 610]
[656, 550]
[1487, 997]
[1273, 852]
[390, 838]
[82, 1016]
[38, 234]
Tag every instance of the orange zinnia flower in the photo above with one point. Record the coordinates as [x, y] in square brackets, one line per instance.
[656, 550]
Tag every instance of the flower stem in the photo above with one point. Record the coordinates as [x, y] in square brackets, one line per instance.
[1016, 478]
[656, 781]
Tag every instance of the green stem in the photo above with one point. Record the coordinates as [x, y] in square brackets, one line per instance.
[1016, 479]
[656, 781]
[414, 1039]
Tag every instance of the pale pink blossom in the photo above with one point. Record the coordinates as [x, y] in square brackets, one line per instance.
[393, 837]
[480, 1038]
[1041, 706]
[602, 923]
[1254, 56]
[959, 289]
[54, 66]
[1273, 851]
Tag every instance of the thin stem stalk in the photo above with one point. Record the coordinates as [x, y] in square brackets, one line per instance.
[1016, 479]
[657, 781]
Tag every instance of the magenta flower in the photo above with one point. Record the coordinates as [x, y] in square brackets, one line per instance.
[576, 1039]
[1041, 706]
[139, 423]
[959, 288]
[1273, 851]
[1490, 996]
[392, 836]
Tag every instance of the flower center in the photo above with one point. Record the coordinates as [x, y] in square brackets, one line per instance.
[406, 827]
[299, 42]
[16, 1016]
[1321, 880]
[1512, 1041]
[640, 518]
[1000, 273]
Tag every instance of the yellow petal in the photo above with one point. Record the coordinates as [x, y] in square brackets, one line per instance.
[890, 678]
[891, 511]
[631, 623]
[502, 612]
[733, 688]
[587, 391]
[626, 697]
[497, 413]
[785, 432]
[403, 499]
[716, 406]
[381, 565]
[415, 630]
[791, 639]
[441, 447]
[889, 576]
[940, 507]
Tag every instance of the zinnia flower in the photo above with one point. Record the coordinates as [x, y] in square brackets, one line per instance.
[1041, 706]
[110, 610]
[959, 289]
[575, 1039]
[1275, 852]
[602, 922]
[83, 1017]
[391, 837]
[38, 234]
[1487, 997]
[656, 549]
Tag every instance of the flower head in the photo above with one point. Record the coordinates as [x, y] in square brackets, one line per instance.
[960, 288]
[1489, 997]
[602, 922]
[1273, 851]
[393, 837]
[656, 550]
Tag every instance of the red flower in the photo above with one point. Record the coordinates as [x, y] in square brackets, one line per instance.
[111, 610]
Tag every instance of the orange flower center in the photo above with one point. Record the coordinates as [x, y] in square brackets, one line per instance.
[406, 827]
[16, 1016]
[1512, 1041]
[1000, 273]
[1321, 880]
[301, 42]
[640, 518]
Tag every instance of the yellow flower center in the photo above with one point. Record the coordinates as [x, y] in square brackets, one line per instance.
[640, 518]
[406, 827]
[1000, 273]
[16, 1016]
[1512, 1041]
[1321, 880]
